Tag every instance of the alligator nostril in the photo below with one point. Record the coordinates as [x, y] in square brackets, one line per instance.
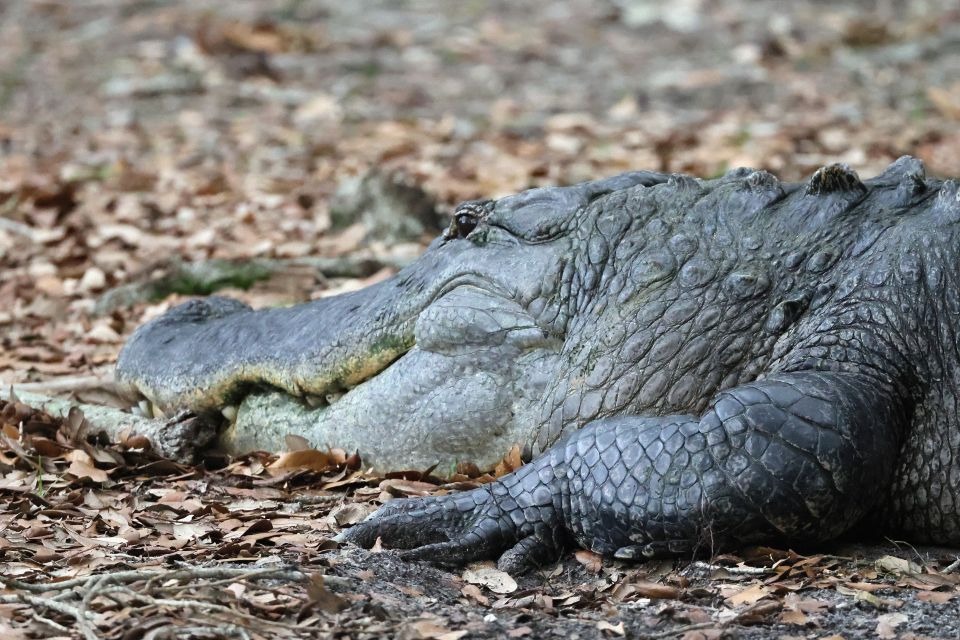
[464, 223]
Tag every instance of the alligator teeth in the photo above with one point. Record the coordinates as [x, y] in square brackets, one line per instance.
[137, 410]
[145, 408]
[333, 397]
[157, 412]
[230, 413]
[314, 402]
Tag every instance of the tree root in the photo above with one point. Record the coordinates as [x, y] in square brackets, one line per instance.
[145, 589]
[178, 438]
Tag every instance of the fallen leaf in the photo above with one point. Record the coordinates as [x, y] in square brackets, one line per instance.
[400, 488]
[510, 463]
[311, 459]
[794, 616]
[430, 630]
[473, 592]
[591, 561]
[867, 586]
[487, 575]
[897, 566]
[936, 597]
[294, 442]
[351, 513]
[869, 598]
[615, 629]
[749, 595]
[703, 634]
[191, 530]
[887, 625]
[319, 596]
[655, 591]
[81, 466]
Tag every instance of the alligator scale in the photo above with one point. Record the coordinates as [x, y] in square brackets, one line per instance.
[692, 364]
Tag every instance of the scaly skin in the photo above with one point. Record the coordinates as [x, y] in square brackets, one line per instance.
[702, 364]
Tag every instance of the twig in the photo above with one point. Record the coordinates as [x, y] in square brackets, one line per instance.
[216, 632]
[740, 569]
[50, 623]
[102, 381]
[211, 607]
[897, 543]
[74, 597]
[682, 630]
[175, 589]
[953, 566]
[127, 577]
[178, 438]
[79, 616]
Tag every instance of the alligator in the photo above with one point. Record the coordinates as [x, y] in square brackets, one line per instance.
[691, 364]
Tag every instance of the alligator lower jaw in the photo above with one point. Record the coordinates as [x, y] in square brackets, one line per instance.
[327, 386]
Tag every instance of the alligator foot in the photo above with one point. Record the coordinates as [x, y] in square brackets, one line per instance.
[496, 520]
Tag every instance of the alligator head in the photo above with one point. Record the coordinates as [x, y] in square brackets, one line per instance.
[446, 361]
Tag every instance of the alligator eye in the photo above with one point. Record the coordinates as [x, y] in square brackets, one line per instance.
[464, 223]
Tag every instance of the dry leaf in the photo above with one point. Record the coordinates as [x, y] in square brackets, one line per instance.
[887, 625]
[430, 630]
[897, 566]
[867, 586]
[614, 629]
[294, 442]
[936, 597]
[400, 488]
[749, 595]
[869, 598]
[473, 592]
[793, 616]
[191, 530]
[591, 561]
[487, 575]
[81, 466]
[703, 634]
[310, 459]
[510, 463]
[322, 598]
[655, 591]
[351, 513]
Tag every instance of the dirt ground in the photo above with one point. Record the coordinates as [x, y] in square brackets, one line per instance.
[140, 136]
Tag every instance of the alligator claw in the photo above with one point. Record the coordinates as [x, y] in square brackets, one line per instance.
[458, 528]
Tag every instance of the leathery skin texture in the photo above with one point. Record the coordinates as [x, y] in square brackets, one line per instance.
[695, 364]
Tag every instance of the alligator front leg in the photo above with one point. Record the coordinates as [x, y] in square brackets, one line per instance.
[797, 456]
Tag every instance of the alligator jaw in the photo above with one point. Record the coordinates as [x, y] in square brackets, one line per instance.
[207, 354]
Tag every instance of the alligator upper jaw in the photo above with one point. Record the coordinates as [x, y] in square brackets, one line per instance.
[207, 354]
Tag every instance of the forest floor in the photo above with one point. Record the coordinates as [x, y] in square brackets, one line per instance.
[139, 136]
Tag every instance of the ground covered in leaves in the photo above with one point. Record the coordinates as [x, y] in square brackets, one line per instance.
[108, 541]
[290, 149]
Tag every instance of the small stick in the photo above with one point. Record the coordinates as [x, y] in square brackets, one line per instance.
[127, 577]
